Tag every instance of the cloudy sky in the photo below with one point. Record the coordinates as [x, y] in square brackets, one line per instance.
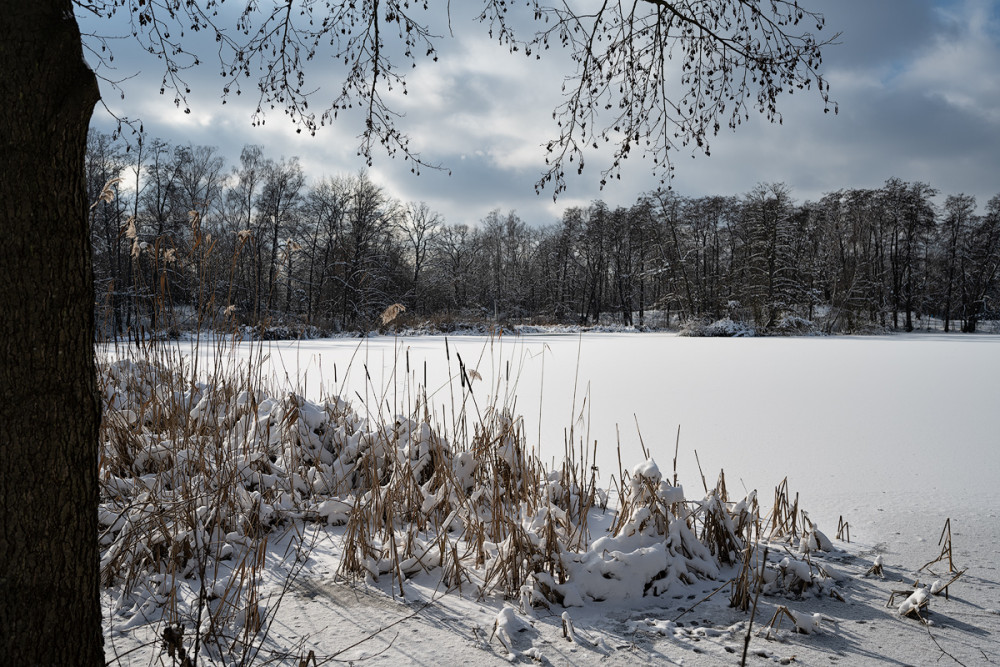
[917, 83]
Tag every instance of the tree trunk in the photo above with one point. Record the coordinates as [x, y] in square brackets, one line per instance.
[49, 414]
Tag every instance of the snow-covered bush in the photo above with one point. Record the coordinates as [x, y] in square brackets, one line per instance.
[724, 328]
[793, 325]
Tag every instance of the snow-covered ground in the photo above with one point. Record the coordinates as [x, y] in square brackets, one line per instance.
[893, 434]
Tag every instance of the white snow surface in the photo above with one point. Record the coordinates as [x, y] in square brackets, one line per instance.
[893, 434]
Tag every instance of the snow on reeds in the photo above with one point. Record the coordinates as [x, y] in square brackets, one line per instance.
[200, 470]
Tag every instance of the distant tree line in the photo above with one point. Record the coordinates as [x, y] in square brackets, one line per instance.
[190, 238]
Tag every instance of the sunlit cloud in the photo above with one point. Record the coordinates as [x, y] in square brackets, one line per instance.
[960, 65]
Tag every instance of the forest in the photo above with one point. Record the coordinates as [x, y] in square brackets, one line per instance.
[183, 239]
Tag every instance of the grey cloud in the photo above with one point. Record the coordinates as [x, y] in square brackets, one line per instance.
[876, 31]
[482, 113]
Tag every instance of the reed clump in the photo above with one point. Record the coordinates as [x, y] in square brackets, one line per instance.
[205, 472]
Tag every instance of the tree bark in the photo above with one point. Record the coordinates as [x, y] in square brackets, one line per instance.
[49, 411]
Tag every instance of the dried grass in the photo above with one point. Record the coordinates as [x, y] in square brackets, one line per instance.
[946, 553]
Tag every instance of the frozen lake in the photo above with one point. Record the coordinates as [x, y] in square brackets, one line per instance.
[858, 424]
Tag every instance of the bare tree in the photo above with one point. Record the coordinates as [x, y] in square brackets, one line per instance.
[657, 75]
[419, 224]
[766, 252]
[369, 253]
[982, 276]
[106, 161]
[454, 258]
[277, 207]
[240, 202]
[506, 247]
[911, 219]
[959, 216]
[325, 211]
